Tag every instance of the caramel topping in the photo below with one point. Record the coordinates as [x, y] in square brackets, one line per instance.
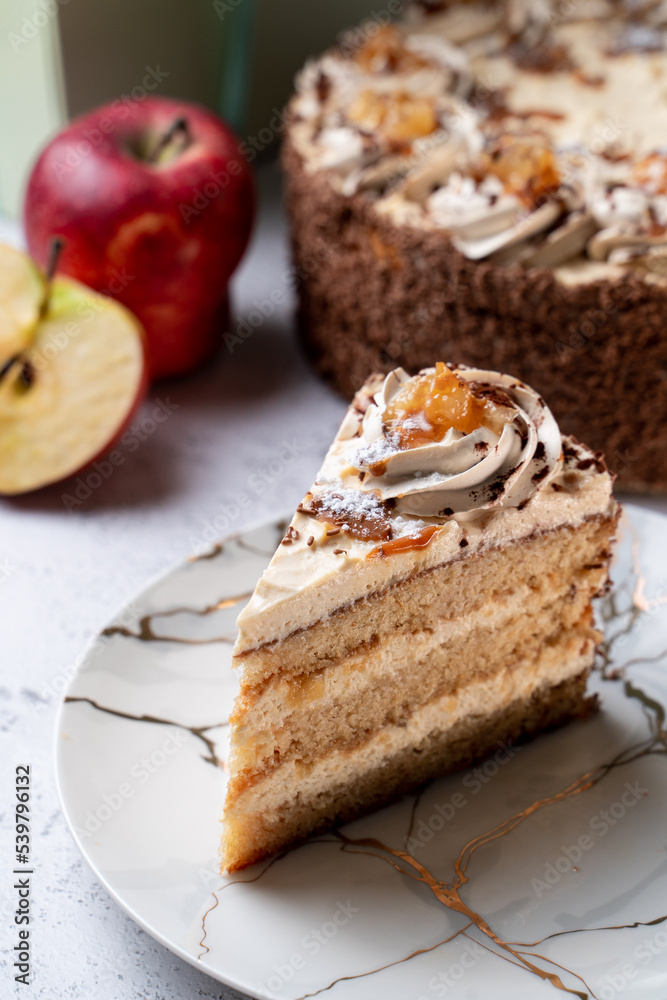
[545, 58]
[526, 167]
[406, 543]
[427, 407]
[399, 117]
[386, 51]
[651, 173]
[367, 520]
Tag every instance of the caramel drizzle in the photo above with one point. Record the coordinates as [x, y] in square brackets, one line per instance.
[147, 633]
[198, 731]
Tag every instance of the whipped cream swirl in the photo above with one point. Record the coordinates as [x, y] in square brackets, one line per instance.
[460, 473]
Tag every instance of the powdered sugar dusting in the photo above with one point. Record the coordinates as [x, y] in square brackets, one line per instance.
[353, 502]
[377, 451]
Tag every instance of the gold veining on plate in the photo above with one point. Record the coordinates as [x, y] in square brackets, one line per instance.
[449, 893]
[198, 731]
[211, 553]
[147, 633]
[236, 881]
[585, 930]
[621, 611]
[389, 965]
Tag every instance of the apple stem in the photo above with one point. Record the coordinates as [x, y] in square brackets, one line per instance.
[55, 250]
[26, 375]
[8, 365]
[178, 129]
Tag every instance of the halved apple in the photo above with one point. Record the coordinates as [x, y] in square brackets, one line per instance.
[21, 294]
[73, 371]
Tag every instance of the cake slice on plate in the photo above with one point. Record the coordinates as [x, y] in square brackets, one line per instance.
[431, 597]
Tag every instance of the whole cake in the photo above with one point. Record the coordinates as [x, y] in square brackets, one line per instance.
[430, 598]
[488, 181]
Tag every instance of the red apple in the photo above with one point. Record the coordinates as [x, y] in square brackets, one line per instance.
[155, 203]
[73, 372]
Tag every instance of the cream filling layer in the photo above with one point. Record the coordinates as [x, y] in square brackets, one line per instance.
[305, 583]
[476, 701]
[360, 693]
[399, 645]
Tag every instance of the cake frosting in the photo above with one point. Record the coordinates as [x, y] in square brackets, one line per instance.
[490, 466]
[358, 531]
[393, 639]
[492, 122]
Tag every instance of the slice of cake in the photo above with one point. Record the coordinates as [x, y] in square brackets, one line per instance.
[431, 597]
[479, 180]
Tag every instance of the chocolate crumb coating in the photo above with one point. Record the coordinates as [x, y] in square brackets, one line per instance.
[373, 296]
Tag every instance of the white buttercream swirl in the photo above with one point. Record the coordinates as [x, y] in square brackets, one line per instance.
[462, 472]
[458, 54]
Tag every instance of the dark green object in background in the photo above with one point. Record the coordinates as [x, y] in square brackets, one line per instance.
[238, 57]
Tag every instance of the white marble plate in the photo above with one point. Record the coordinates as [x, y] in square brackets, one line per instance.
[541, 872]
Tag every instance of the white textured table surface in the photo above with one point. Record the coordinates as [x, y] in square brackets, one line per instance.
[257, 423]
[253, 426]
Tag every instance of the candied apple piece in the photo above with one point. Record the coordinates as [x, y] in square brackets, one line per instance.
[399, 117]
[386, 51]
[526, 167]
[651, 173]
[425, 409]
